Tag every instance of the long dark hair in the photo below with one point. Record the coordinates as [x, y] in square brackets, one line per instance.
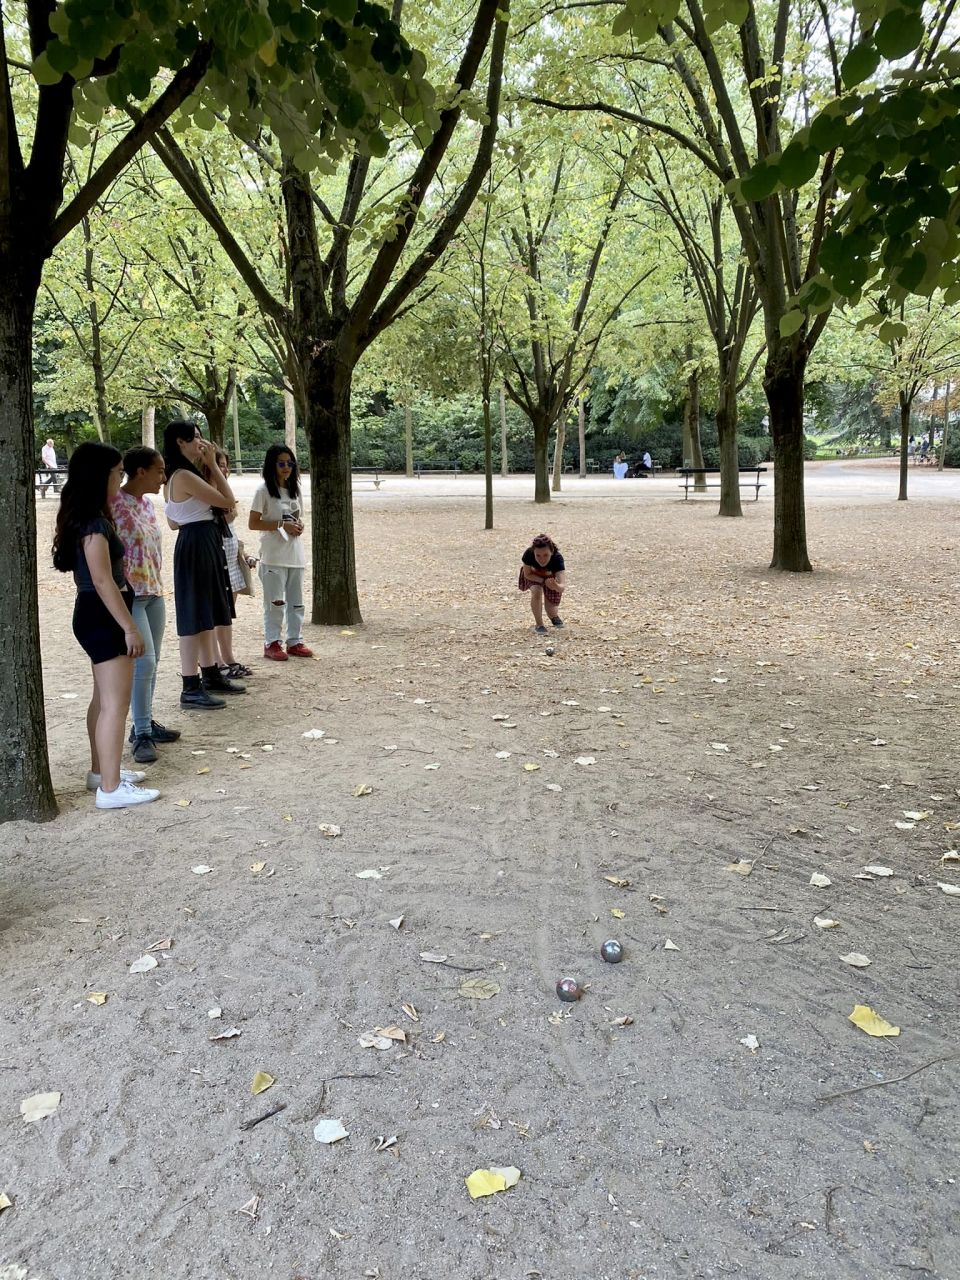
[270, 472]
[173, 459]
[83, 498]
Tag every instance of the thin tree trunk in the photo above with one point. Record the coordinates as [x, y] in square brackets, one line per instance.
[582, 436]
[101, 412]
[904, 442]
[729, 454]
[946, 425]
[25, 788]
[691, 429]
[289, 421]
[148, 426]
[558, 455]
[783, 385]
[541, 473]
[235, 415]
[487, 461]
[504, 456]
[408, 439]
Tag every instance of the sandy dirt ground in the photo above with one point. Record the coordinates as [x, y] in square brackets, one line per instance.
[699, 712]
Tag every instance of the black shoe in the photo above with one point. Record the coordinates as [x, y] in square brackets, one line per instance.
[160, 732]
[557, 622]
[200, 700]
[144, 752]
[220, 684]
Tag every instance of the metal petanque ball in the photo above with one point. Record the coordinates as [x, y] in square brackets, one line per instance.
[549, 651]
[568, 989]
[612, 951]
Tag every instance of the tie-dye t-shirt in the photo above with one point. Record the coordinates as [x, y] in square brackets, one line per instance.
[139, 531]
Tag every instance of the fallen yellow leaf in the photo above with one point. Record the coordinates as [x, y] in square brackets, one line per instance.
[205, 769]
[869, 1021]
[261, 1082]
[97, 997]
[617, 913]
[5, 1201]
[257, 867]
[487, 1182]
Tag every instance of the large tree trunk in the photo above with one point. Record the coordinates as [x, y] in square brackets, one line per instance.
[541, 471]
[215, 413]
[729, 454]
[289, 421]
[904, 441]
[487, 460]
[329, 379]
[25, 788]
[783, 385]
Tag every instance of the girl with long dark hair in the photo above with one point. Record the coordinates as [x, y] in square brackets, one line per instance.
[201, 587]
[87, 544]
[277, 514]
[542, 573]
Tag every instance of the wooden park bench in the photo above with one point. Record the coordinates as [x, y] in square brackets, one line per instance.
[691, 475]
[49, 478]
[369, 473]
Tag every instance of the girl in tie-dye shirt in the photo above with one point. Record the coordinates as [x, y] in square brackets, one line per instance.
[136, 520]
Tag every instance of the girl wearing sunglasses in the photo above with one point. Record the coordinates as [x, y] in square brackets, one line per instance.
[276, 514]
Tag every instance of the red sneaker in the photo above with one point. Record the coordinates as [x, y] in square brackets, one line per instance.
[274, 651]
[299, 650]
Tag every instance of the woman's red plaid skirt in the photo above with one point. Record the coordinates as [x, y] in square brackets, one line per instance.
[549, 594]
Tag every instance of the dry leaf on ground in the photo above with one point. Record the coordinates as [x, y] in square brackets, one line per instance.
[952, 889]
[878, 871]
[39, 1106]
[751, 1042]
[869, 1021]
[670, 945]
[855, 958]
[487, 1182]
[97, 997]
[824, 922]
[742, 868]
[363, 790]
[201, 869]
[330, 1131]
[5, 1201]
[144, 964]
[820, 881]
[370, 874]
[330, 830]
[478, 988]
[261, 1082]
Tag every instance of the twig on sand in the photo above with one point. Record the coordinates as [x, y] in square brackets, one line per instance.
[250, 1124]
[878, 1084]
[764, 908]
[828, 1208]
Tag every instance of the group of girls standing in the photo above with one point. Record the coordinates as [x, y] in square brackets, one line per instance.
[108, 535]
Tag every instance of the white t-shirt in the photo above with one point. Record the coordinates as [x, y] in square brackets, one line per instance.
[276, 548]
[49, 455]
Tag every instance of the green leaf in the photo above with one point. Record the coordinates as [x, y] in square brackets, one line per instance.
[43, 73]
[899, 33]
[761, 181]
[622, 23]
[791, 322]
[859, 64]
[60, 56]
[798, 164]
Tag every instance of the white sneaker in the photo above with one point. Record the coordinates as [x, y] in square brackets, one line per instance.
[126, 775]
[126, 794]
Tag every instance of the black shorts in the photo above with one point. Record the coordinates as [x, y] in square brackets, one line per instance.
[100, 636]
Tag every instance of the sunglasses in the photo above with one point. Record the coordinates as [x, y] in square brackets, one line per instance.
[284, 466]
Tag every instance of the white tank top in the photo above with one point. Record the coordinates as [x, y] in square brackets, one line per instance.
[192, 511]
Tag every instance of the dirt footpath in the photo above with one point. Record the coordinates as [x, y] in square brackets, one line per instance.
[707, 737]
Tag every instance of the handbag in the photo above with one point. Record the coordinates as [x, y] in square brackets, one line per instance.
[245, 572]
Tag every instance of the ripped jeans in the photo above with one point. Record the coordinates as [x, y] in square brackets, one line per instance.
[282, 588]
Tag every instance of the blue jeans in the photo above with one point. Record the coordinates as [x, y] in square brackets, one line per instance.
[282, 587]
[150, 615]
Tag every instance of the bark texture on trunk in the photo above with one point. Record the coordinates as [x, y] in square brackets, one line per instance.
[504, 456]
[946, 425]
[582, 436]
[408, 439]
[729, 454]
[783, 384]
[541, 468]
[904, 441]
[692, 448]
[329, 380]
[26, 791]
[487, 460]
[148, 426]
[558, 455]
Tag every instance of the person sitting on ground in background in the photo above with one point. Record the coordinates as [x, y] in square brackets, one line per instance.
[139, 531]
[201, 588]
[542, 574]
[276, 514]
[86, 542]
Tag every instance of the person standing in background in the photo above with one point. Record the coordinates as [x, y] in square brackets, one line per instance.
[139, 529]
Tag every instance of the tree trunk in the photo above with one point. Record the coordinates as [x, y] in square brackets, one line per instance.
[101, 412]
[582, 436]
[541, 472]
[215, 413]
[692, 448]
[148, 426]
[558, 454]
[25, 788]
[783, 385]
[487, 461]
[504, 456]
[904, 440]
[235, 418]
[408, 439]
[289, 421]
[329, 379]
[946, 425]
[729, 454]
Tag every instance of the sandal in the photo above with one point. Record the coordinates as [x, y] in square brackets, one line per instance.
[236, 671]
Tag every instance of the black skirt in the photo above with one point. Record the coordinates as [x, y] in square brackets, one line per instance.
[201, 582]
[100, 635]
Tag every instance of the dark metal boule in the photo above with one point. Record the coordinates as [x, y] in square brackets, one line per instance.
[612, 951]
[568, 989]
